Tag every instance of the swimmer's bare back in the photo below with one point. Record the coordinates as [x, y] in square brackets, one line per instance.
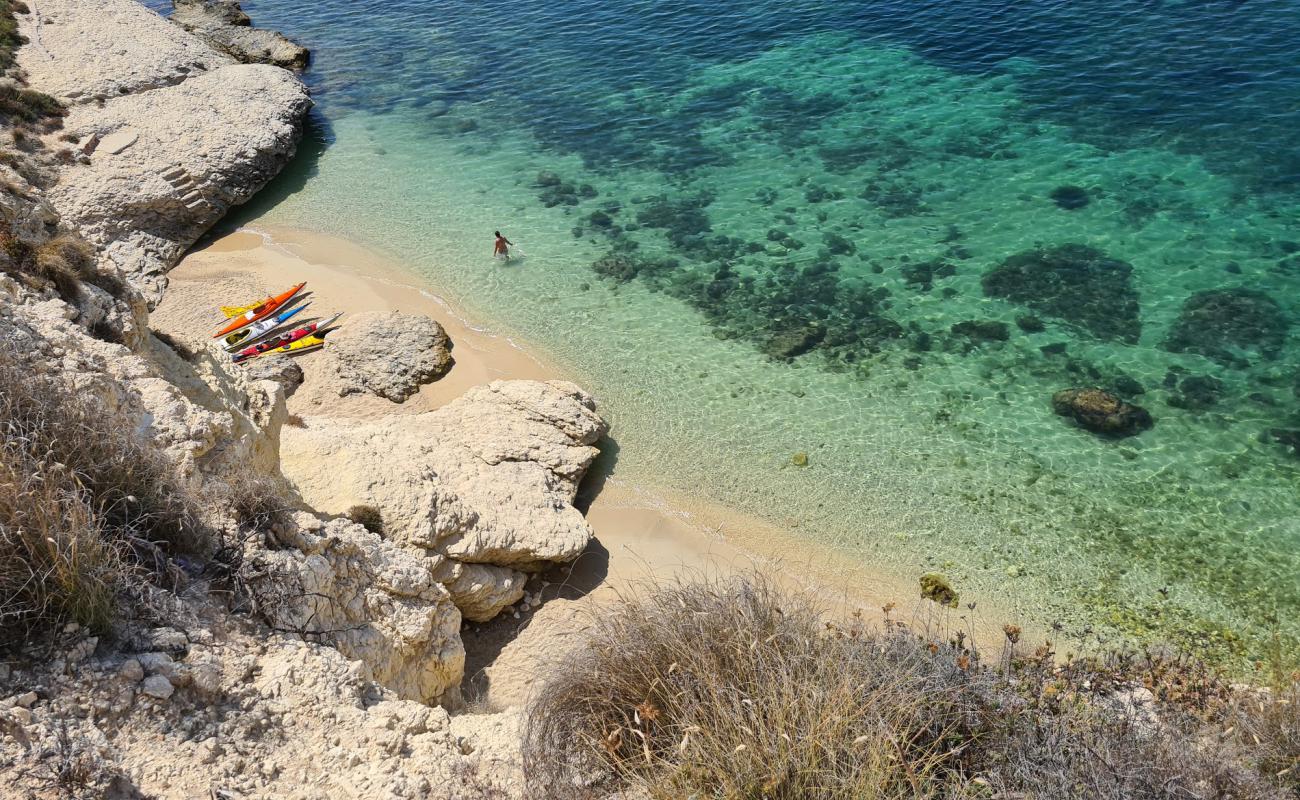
[501, 246]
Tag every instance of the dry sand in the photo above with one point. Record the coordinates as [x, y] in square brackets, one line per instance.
[643, 533]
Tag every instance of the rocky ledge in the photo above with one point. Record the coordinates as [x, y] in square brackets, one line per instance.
[225, 26]
[171, 133]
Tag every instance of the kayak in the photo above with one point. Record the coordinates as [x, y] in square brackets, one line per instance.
[303, 345]
[259, 312]
[259, 329]
[283, 342]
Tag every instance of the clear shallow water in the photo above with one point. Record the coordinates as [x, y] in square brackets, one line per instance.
[750, 233]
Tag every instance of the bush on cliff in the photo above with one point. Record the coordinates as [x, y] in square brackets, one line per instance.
[736, 690]
[88, 510]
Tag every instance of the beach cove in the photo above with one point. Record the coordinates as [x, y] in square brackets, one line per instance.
[794, 259]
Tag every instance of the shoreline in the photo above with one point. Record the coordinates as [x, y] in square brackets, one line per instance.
[646, 532]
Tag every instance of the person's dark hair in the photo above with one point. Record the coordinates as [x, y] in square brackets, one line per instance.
[496, 233]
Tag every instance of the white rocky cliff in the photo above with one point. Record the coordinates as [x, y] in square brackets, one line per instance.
[324, 684]
[173, 132]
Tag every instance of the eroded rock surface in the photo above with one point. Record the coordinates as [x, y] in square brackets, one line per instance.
[176, 133]
[488, 479]
[224, 25]
[376, 602]
[390, 355]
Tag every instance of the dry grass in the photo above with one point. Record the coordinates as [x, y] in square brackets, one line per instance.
[736, 690]
[368, 517]
[86, 506]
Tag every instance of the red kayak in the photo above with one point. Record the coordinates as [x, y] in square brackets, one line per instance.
[276, 342]
[260, 311]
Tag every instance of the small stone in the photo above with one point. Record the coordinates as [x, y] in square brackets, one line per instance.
[131, 670]
[1013, 571]
[157, 686]
[26, 700]
[799, 459]
[71, 627]
[21, 714]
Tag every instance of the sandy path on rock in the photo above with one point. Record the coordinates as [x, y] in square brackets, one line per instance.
[642, 533]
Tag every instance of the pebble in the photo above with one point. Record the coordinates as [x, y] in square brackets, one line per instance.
[131, 670]
[157, 686]
[22, 715]
[26, 700]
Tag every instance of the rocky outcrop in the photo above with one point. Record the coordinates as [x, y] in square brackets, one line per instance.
[488, 479]
[1101, 412]
[176, 133]
[374, 601]
[224, 25]
[390, 355]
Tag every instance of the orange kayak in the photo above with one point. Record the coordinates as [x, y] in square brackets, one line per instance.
[259, 311]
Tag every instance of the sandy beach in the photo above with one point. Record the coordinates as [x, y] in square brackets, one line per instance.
[643, 533]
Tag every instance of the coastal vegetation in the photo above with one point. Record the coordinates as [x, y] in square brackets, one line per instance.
[90, 513]
[734, 688]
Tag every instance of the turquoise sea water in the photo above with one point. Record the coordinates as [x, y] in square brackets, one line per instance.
[756, 230]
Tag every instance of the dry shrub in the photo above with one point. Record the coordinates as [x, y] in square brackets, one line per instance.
[85, 506]
[732, 689]
[368, 517]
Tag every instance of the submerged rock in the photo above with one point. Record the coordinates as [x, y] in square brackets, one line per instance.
[1071, 198]
[982, 330]
[1075, 283]
[1101, 412]
[1289, 438]
[224, 25]
[935, 587]
[922, 274]
[1221, 323]
[1197, 392]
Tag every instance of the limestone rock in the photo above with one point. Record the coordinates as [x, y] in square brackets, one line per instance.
[183, 132]
[1101, 412]
[224, 25]
[390, 355]
[87, 50]
[374, 601]
[481, 591]
[489, 478]
[278, 368]
[157, 686]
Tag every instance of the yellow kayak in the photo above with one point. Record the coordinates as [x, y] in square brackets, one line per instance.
[303, 345]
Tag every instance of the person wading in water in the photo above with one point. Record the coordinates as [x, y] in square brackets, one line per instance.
[502, 246]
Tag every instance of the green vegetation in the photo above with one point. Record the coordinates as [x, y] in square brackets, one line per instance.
[88, 509]
[16, 102]
[733, 689]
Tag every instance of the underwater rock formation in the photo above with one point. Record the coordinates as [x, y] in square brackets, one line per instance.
[1101, 412]
[1289, 438]
[1070, 198]
[1197, 392]
[1075, 283]
[921, 275]
[980, 330]
[1222, 323]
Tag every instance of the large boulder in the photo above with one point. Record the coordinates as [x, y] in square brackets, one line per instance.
[225, 26]
[177, 134]
[488, 479]
[1075, 283]
[390, 354]
[1229, 326]
[1101, 412]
